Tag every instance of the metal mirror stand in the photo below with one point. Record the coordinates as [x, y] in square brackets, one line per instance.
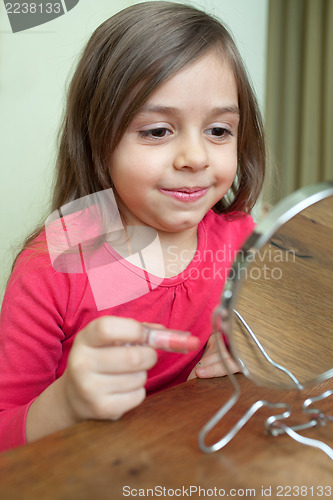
[275, 424]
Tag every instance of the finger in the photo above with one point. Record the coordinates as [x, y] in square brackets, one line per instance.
[127, 382]
[216, 370]
[113, 406]
[121, 403]
[112, 330]
[122, 359]
[99, 386]
[154, 325]
[215, 358]
[209, 359]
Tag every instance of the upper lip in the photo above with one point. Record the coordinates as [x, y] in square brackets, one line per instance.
[186, 189]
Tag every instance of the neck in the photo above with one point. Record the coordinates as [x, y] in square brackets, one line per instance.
[178, 250]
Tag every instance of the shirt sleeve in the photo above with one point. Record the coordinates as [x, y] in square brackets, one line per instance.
[31, 335]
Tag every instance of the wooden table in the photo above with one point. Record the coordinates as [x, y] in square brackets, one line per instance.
[156, 445]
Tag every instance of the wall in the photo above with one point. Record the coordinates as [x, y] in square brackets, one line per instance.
[34, 68]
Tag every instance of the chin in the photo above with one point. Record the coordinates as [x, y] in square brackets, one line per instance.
[183, 223]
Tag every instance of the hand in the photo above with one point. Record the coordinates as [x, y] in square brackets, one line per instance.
[211, 365]
[104, 377]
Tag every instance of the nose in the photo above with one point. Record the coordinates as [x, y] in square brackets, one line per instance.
[191, 153]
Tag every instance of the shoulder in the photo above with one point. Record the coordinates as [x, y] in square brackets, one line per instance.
[226, 231]
[33, 260]
[221, 236]
[37, 276]
[33, 278]
[238, 223]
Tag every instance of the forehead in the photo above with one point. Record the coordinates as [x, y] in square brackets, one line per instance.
[209, 81]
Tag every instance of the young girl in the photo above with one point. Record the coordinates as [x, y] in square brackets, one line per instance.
[161, 114]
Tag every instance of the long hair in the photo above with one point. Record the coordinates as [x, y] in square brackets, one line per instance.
[128, 57]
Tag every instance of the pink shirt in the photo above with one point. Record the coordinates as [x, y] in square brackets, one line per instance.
[44, 309]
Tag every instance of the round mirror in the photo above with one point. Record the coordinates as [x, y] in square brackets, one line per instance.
[276, 309]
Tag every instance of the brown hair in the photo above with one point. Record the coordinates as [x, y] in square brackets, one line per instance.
[131, 54]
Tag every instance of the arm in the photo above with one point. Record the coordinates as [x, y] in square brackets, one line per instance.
[33, 400]
[30, 342]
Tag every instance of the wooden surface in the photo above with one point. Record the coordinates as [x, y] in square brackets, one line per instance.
[156, 445]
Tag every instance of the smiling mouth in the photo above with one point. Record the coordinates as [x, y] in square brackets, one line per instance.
[185, 193]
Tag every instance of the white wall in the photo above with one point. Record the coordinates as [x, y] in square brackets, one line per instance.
[34, 69]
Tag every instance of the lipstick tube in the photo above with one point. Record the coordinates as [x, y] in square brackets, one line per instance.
[170, 340]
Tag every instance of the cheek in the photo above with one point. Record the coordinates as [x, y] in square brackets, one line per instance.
[122, 170]
[138, 166]
[228, 164]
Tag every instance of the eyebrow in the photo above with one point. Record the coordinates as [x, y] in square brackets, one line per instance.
[218, 110]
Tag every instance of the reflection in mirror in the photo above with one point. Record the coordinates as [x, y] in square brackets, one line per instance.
[286, 300]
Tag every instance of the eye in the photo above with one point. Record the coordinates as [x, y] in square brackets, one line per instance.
[155, 133]
[219, 133]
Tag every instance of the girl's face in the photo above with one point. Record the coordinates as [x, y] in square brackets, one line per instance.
[178, 156]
